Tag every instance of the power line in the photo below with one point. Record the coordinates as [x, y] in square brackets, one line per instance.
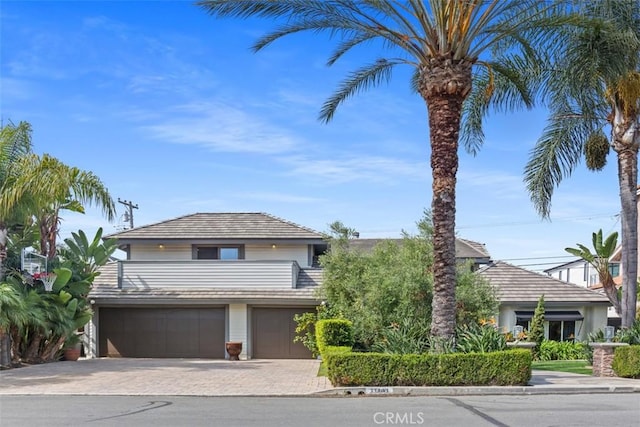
[537, 257]
[563, 219]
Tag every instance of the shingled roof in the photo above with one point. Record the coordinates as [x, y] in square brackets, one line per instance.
[517, 285]
[465, 249]
[236, 226]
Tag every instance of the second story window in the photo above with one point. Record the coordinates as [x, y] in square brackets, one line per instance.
[217, 252]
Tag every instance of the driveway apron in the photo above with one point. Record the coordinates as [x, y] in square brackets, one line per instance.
[170, 377]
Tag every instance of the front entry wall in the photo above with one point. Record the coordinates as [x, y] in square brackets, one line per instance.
[162, 332]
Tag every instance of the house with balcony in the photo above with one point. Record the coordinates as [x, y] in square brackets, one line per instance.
[190, 284]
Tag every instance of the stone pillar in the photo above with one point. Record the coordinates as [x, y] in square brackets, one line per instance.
[603, 357]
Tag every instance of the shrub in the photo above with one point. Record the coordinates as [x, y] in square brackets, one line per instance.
[480, 338]
[393, 281]
[565, 350]
[536, 333]
[306, 331]
[626, 361]
[630, 335]
[404, 338]
[511, 367]
[333, 332]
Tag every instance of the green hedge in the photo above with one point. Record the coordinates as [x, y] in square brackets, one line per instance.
[333, 332]
[626, 361]
[563, 350]
[511, 367]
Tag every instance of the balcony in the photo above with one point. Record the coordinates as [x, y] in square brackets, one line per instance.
[208, 274]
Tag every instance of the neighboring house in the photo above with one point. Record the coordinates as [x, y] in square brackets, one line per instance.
[579, 272]
[466, 250]
[192, 283]
[571, 311]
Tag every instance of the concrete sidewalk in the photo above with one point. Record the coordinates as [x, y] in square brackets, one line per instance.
[201, 377]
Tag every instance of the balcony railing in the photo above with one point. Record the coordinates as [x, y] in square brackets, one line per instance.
[207, 274]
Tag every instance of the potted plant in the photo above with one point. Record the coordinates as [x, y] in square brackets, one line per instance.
[72, 347]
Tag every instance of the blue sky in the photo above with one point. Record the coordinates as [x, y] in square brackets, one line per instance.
[171, 109]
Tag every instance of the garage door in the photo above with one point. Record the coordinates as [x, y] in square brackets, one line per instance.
[162, 332]
[273, 331]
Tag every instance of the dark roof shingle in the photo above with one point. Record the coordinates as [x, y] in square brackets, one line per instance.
[515, 284]
[201, 226]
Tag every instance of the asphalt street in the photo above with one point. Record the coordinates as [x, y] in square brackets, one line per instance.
[611, 410]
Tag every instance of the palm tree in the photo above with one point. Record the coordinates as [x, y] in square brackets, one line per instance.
[13, 312]
[69, 189]
[604, 249]
[446, 42]
[15, 143]
[595, 86]
[39, 187]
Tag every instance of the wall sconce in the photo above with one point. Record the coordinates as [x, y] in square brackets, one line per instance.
[160, 246]
[273, 246]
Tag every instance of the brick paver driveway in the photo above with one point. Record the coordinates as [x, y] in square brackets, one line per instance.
[191, 377]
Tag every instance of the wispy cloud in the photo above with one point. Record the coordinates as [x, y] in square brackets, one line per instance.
[356, 168]
[495, 183]
[15, 88]
[278, 197]
[222, 127]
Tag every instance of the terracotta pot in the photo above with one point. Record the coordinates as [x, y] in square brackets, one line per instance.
[72, 354]
[234, 348]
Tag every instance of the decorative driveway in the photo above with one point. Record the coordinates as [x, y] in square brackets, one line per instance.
[187, 377]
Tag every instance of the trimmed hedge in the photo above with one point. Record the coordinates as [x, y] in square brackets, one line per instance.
[510, 367]
[626, 361]
[333, 332]
[563, 350]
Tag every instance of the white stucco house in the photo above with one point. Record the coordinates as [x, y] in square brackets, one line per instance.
[571, 311]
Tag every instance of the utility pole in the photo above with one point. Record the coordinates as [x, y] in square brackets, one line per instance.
[129, 213]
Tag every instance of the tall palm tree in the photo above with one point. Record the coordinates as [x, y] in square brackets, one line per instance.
[39, 187]
[446, 42]
[69, 189]
[15, 143]
[596, 87]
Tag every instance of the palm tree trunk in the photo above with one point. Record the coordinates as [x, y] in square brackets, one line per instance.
[444, 85]
[5, 349]
[626, 139]
[612, 293]
[4, 236]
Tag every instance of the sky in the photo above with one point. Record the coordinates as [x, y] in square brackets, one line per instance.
[174, 112]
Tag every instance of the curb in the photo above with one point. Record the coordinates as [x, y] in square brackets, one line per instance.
[473, 391]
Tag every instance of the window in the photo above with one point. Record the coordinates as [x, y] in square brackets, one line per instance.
[562, 330]
[585, 274]
[229, 253]
[614, 269]
[217, 252]
[560, 275]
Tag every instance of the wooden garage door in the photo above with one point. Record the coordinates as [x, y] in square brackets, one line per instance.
[162, 332]
[273, 331]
